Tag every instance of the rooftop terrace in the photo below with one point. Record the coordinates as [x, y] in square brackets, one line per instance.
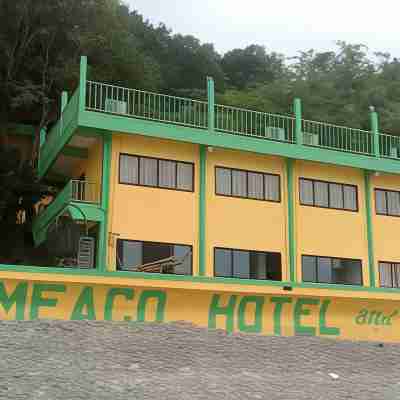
[207, 117]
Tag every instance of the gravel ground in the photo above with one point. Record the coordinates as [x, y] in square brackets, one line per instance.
[54, 360]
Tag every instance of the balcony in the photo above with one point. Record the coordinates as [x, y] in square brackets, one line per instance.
[80, 200]
[98, 107]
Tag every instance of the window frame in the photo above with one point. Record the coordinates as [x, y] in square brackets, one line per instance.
[343, 185]
[232, 250]
[264, 174]
[119, 240]
[332, 258]
[158, 159]
[386, 191]
[392, 263]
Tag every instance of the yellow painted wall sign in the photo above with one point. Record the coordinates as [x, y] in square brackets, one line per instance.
[343, 318]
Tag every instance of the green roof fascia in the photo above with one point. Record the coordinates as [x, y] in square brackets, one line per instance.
[121, 124]
[92, 212]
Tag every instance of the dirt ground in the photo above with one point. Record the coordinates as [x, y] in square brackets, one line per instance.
[95, 360]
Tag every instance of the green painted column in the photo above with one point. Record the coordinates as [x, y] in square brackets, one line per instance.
[211, 104]
[64, 100]
[375, 130]
[297, 109]
[370, 237]
[105, 198]
[82, 83]
[290, 224]
[202, 210]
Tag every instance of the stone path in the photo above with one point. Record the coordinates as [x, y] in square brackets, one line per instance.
[54, 360]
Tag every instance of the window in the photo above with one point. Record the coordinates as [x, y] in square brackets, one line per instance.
[331, 270]
[154, 172]
[328, 195]
[154, 257]
[387, 202]
[247, 184]
[389, 274]
[244, 264]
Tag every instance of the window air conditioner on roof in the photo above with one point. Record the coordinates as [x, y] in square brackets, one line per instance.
[310, 139]
[394, 152]
[275, 133]
[116, 106]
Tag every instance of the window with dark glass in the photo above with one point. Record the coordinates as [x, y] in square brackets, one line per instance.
[138, 256]
[154, 172]
[246, 264]
[331, 270]
[247, 184]
[328, 195]
[389, 274]
[387, 202]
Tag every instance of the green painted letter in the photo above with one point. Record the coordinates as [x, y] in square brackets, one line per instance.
[256, 327]
[279, 302]
[145, 296]
[39, 301]
[111, 295]
[17, 297]
[323, 329]
[215, 310]
[299, 311]
[85, 300]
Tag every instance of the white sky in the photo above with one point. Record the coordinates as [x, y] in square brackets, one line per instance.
[285, 26]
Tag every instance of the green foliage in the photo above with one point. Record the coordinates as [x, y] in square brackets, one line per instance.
[41, 42]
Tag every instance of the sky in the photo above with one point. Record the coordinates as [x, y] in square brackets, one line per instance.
[285, 26]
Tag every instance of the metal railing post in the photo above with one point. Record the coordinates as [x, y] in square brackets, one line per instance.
[82, 83]
[375, 130]
[297, 109]
[211, 103]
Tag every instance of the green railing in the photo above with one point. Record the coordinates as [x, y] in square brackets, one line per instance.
[56, 135]
[334, 137]
[389, 146]
[142, 104]
[240, 121]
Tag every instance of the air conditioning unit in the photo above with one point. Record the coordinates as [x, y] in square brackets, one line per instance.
[310, 139]
[394, 152]
[86, 252]
[116, 106]
[275, 133]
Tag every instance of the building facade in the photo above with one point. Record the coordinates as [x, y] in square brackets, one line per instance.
[221, 216]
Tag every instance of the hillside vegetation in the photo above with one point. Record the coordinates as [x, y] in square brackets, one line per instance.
[41, 41]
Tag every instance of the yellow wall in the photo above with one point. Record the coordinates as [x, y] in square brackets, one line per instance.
[245, 223]
[270, 312]
[328, 232]
[152, 214]
[386, 229]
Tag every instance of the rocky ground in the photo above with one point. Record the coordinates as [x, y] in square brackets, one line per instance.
[115, 361]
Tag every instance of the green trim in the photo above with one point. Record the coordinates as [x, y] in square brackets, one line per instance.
[202, 210]
[290, 223]
[375, 132]
[105, 199]
[370, 237]
[196, 279]
[116, 123]
[211, 104]
[64, 100]
[82, 83]
[298, 124]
